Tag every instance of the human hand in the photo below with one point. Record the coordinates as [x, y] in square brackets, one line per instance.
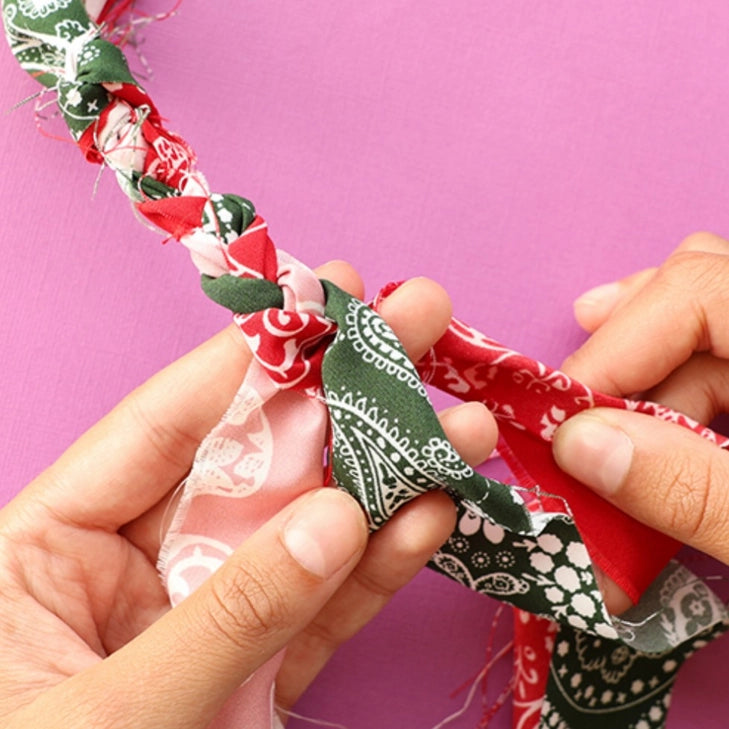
[87, 637]
[660, 333]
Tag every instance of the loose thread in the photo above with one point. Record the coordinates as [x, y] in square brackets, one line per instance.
[167, 516]
[308, 719]
[656, 613]
[122, 33]
[24, 101]
[126, 134]
[143, 221]
[504, 651]
[487, 656]
[498, 703]
[489, 710]
[129, 33]
[97, 180]
[39, 118]
[490, 644]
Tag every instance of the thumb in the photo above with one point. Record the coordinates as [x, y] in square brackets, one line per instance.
[180, 671]
[664, 475]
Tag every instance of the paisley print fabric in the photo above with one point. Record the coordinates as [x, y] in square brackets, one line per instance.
[326, 363]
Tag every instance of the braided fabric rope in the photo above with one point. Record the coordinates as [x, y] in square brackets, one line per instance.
[326, 359]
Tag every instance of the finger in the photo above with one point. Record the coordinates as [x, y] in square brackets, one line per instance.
[615, 598]
[699, 388]
[663, 475]
[679, 312]
[470, 427]
[419, 313]
[594, 307]
[395, 554]
[129, 460]
[343, 275]
[179, 672]
[704, 242]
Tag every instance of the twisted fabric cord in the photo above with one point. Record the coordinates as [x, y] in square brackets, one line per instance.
[322, 356]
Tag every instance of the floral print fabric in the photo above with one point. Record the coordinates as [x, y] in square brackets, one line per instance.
[325, 359]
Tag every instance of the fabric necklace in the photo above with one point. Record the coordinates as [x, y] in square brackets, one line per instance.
[330, 376]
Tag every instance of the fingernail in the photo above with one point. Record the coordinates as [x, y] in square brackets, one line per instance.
[594, 452]
[325, 532]
[601, 297]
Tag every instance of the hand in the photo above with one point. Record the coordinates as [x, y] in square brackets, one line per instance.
[86, 634]
[660, 333]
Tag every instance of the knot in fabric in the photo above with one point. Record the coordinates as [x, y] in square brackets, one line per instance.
[251, 281]
[66, 53]
[52, 48]
[80, 53]
[278, 304]
[151, 162]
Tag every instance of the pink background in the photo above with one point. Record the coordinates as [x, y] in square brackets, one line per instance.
[517, 152]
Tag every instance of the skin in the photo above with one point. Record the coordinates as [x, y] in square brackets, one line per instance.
[86, 637]
[661, 333]
[86, 634]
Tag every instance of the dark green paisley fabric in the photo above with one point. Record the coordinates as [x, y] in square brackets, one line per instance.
[388, 446]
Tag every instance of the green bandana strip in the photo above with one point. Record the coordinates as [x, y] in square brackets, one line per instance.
[603, 684]
[56, 42]
[604, 672]
[387, 444]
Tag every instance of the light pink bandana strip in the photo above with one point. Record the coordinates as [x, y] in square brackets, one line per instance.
[266, 451]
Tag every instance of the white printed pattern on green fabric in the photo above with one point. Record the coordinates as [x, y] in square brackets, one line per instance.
[378, 346]
[384, 465]
[41, 8]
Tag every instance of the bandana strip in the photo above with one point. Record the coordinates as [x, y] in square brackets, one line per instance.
[325, 360]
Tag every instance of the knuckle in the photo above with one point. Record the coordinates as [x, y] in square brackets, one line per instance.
[325, 636]
[375, 585]
[247, 605]
[694, 500]
[700, 241]
[715, 504]
[582, 365]
[685, 268]
[691, 269]
[171, 444]
[685, 505]
[698, 279]
[577, 364]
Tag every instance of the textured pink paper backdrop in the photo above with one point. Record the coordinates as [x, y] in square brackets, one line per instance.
[516, 152]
